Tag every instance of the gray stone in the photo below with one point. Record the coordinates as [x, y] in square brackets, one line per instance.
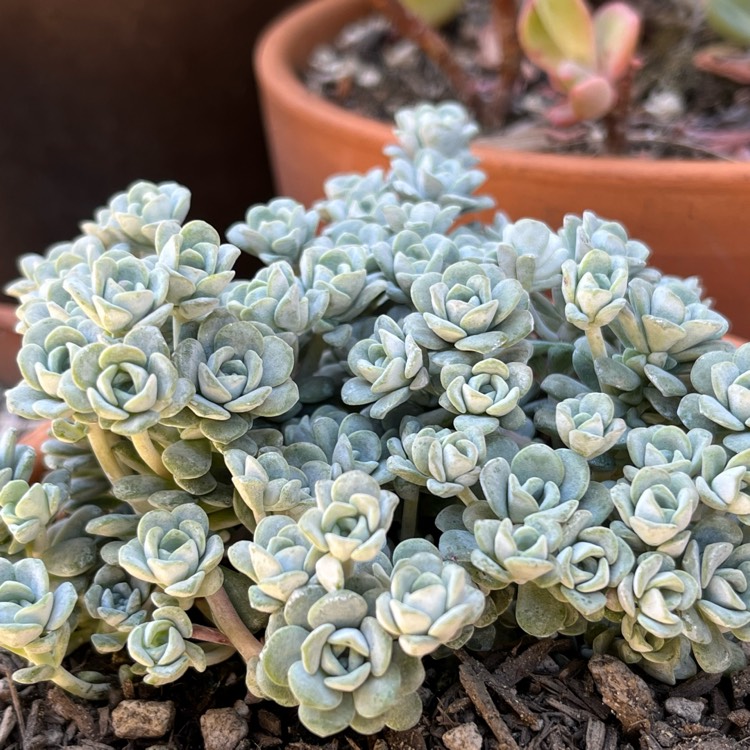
[463, 737]
[133, 720]
[223, 729]
[686, 709]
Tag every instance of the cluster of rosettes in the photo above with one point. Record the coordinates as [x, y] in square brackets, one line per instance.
[406, 433]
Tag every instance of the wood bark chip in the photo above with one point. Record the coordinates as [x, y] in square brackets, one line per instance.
[697, 686]
[504, 691]
[66, 708]
[514, 670]
[629, 697]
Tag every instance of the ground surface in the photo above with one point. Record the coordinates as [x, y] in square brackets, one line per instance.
[540, 695]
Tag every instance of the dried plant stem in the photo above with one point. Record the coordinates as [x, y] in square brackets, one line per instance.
[227, 620]
[148, 452]
[437, 49]
[504, 15]
[616, 121]
[99, 442]
[7, 668]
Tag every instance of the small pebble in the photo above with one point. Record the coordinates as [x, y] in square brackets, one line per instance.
[269, 722]
[133, 720]
[463, 737]
[740, 717]
[222, 729]
[684, 708]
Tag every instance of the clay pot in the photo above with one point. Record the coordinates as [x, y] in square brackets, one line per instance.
[10, 343]
[693, 214]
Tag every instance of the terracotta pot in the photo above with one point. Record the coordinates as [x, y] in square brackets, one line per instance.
[693, 214]
[10, 343]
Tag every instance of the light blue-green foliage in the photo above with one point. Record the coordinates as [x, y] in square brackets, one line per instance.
[409, 433]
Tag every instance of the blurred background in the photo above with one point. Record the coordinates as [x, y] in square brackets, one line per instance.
[97, 93]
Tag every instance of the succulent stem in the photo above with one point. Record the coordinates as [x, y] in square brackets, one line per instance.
[409, 517]
[230, 624]
[209, 635]
[596, 342]
[467, 497]
[598, 348]
[100, 446]
[519, 440]
[148, 452]
[86, 690]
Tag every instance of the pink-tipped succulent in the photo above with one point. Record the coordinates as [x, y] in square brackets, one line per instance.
[731, 20]
[434, 12]
[585, 55]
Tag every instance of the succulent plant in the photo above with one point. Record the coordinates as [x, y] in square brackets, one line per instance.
[588, 425]
[721, 402]
[176, 552]
[276, 231]
[235, 369]
[430, 602]
[120, 602]
[584, 55]
[342, 668]
[121, 293]
[126, 386]
[30, 610]
[276, 298]
[532, 253]
[594, 288]
[134, 215]
[387, 369]
[279, 560]
[160, 649]
[349, 523]
[445, 461]
[488, 388]
[658, 506]
[469, 306]
[315, 421]
[27, 509]
[521, 554]
[199, 266]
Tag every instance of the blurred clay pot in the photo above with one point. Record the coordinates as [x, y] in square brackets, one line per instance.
[694, 214]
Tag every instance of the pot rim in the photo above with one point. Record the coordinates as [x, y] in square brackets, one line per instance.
[287, 41]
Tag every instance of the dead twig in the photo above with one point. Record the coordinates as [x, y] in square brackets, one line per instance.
[7, 667]
[486, 99]
[482, 701]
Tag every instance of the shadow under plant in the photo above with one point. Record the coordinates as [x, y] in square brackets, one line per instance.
[407, 435]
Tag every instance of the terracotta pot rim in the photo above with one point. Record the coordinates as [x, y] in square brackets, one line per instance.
[280, 45]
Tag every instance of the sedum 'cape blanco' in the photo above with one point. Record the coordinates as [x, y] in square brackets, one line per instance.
[408, 432]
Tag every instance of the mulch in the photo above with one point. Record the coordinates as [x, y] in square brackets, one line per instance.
[539, 695]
